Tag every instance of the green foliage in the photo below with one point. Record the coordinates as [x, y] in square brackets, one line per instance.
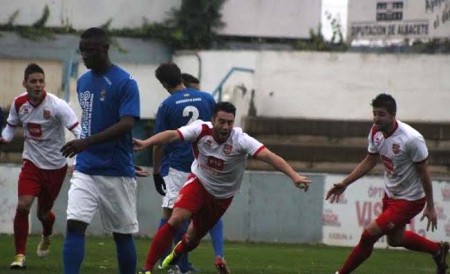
[192, 26]
[317, 42]
[432, 46]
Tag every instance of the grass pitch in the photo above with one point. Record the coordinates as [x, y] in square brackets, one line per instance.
[243, 258]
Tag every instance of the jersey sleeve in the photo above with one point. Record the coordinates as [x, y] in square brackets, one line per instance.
[192, 131]
[160, 121]
[249, 145]
[66, 115]
[129, 99]
[417, 149]
[371, 148]
[13, 117]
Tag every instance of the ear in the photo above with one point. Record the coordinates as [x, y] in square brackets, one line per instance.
[24, 83]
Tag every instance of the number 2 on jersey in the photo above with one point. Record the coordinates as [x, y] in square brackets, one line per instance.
[191, 111]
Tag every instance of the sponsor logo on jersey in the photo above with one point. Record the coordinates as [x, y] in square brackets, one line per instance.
[47, 114]
[103, 95]
[396, 148]
[227, 149]
[34, 130]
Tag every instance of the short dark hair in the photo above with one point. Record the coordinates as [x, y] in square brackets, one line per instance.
[188, 79]
[385, 101]
[96, 33]
[32, 68]
[226, 107]
[169, 74]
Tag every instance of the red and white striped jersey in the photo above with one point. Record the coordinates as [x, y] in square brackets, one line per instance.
[220, 167]
[398, 152]
[43, 126]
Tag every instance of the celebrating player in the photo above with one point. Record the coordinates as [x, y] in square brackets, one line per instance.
[220, 152]
[408, 188]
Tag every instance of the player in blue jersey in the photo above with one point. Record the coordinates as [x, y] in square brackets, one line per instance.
[104, 176]
[172, 162]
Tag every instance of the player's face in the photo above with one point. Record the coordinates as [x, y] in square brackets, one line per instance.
[35, 85]
[222, 126]
[93, 52]
[384, 121]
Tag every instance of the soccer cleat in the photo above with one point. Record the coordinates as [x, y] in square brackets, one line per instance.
[174, 269]
[19, 262]
[142, 271]
[441, 258]
[221, 266]
[171, 259]
[193, 269]
[43, 247]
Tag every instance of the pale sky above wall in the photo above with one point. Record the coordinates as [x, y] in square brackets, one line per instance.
[338, 9]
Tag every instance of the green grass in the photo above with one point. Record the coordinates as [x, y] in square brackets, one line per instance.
[243, 258]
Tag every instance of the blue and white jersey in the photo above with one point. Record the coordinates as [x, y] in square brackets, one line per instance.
[104, 99]
[179, 109]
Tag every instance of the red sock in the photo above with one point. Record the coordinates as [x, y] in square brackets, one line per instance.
[413, 241]
[47, 224]
[360, 253]
[21, 230]
[161, 242]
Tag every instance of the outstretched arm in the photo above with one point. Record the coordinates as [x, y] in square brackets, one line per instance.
[167, 136]
[429, 212]
[279, 163]
[360, 170]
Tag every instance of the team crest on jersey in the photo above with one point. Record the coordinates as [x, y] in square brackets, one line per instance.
[396, 148]
[47, 114]
[102, 95]
[227, 149]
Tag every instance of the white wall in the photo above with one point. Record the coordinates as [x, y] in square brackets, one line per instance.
[332, 85]
[261, 18]
[271, 18]
[81, 14]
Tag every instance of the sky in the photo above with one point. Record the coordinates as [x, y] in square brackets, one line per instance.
[338, 9]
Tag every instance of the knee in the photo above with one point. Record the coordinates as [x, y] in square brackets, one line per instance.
[191, 242]
[22, 209]
[394, 242]
[176, 221]
[76, 226]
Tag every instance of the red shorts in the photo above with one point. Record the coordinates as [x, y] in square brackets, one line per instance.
[397, 213]
[205, 208]
[42, 183]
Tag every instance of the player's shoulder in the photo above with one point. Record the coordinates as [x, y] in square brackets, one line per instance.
[20, 100]
[408, 130]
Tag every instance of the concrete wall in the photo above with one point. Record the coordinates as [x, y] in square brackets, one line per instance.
[329, 85]
[62, 65]
[289, 84]
[267, 209]
[258, 18]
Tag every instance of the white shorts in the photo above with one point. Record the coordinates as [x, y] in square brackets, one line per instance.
[174, 180]
[114, 197]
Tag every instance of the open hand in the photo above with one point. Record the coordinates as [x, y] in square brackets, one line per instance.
[335, 192]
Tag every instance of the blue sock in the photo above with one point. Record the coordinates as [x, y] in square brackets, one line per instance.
[183, 262]
[126, 253]
[73, 252]
[216, 234]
